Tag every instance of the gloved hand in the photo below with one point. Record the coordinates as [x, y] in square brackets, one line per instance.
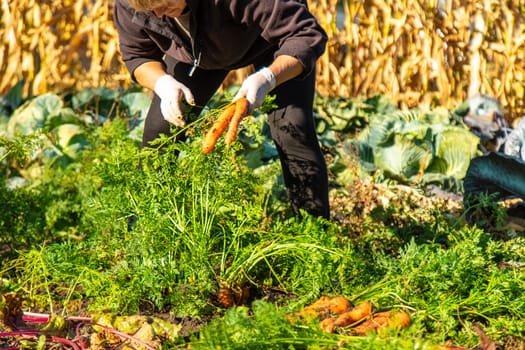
[256, 87]
[171, 93]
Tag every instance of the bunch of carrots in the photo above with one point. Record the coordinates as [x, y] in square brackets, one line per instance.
[229, 118]
[338, 312]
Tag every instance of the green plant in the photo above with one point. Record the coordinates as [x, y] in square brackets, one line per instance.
[128, 230]
[484, 210]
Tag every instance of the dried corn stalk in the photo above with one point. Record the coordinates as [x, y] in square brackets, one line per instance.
[418, 52]
[424, 52]
[55, 45]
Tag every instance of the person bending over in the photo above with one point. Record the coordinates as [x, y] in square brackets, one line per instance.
[184, 49]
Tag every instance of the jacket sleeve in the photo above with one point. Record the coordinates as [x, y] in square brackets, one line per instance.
[287, 24]
[136, 46]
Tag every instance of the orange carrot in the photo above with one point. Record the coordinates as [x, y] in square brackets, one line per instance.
[398, 320]
[225, 297]
[378, 320]
[325, 306]
[347, 318]
[382, 321]
[218, 128]
[241, 109]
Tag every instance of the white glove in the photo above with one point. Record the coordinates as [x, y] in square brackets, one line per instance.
[171, 93]
[256, 87]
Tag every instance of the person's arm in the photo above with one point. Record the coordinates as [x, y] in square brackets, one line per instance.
[135, 45]
[285, 68]
[148, 73]
[288, 25]
[143, 58]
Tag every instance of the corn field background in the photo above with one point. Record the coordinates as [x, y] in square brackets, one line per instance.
[422, 53]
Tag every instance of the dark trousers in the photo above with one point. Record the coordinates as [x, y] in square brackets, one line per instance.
[291, 124]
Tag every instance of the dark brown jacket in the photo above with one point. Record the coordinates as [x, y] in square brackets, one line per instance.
[226, 34]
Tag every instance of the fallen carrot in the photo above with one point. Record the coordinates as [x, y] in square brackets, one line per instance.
[241, 109]
[379, 319]
[325, 306]
[356, 314]
[382, 321]
[398, 320]
[218, 127]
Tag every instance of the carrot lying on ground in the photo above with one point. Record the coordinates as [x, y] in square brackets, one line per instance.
[382, 321]
[241, 110]
[324, 307]
[229, 118]
[398, 320]
[347, 318]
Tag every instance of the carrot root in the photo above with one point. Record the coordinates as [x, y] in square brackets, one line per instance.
[229, 119]
[339, 312]
[241, 110]
[382, 321]
[218, 127]
[348, 318]
[325, 306]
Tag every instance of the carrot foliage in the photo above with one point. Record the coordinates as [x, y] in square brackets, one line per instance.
[92, 223]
